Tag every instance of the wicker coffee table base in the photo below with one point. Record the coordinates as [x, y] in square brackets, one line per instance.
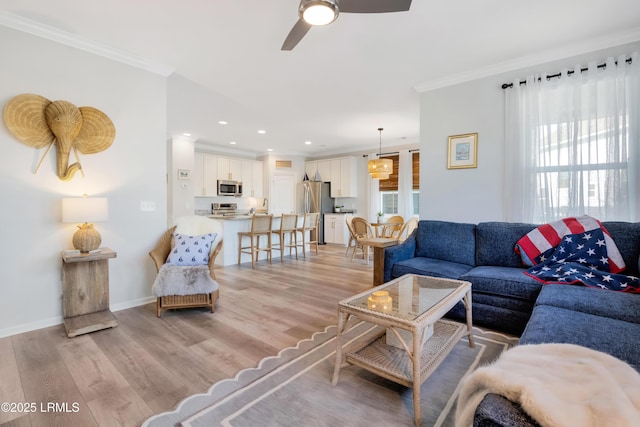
[394, 363]
[411, 363]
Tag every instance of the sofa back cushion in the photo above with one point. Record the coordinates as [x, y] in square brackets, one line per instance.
[495, 243]
[447, 241]
[626, 235]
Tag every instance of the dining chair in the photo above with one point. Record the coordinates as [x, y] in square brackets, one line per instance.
[393, 226]
[362, 230]
[352, 236]
[310, 225]
[260, 227]
[288, 225]
[407, 228]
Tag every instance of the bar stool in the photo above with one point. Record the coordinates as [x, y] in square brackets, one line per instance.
[260, 226]
[288, 225]
[309, 224]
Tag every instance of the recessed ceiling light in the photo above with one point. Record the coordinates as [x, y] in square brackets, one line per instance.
[269, 149]
[222, 122]
[308, 142]
[232, 142]
[262, 131]
[186, 134]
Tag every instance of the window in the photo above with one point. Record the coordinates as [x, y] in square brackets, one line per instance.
[568, 150]
[574, 171]
[389, 187]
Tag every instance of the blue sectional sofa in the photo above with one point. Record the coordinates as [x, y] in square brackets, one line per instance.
[505, 299]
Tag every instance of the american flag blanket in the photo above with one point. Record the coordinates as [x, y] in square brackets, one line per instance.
[575, 250]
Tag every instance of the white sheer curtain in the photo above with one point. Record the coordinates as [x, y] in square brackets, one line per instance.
[405, 184]
[573, 144]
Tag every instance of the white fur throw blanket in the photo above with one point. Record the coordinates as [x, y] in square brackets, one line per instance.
[181, 280]
[557, 385]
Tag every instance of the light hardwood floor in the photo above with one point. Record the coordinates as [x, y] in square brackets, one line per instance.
[146, 365]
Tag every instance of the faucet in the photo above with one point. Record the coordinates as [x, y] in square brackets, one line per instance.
[265, 205]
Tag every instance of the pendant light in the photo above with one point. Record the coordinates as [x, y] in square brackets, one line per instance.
[380, 168]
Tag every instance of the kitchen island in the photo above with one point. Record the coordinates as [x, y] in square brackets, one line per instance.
[231, 225]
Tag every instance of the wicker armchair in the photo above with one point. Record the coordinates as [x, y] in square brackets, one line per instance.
[192, 225]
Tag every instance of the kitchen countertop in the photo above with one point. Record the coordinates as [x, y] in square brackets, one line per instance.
[234, 217]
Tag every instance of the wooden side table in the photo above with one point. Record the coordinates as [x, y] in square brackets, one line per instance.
[378, 244]
[85, 292]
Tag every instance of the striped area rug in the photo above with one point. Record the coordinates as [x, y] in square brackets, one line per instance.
[294, 388]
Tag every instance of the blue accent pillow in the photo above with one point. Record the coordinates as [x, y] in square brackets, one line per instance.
[190, 250]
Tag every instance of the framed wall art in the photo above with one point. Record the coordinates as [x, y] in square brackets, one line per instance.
[184, 174]
[463, 151]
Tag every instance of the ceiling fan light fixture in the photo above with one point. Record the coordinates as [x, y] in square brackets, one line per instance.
[318, 12]
[380, 168]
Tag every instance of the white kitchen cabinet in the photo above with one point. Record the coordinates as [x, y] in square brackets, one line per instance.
[318, 168]
[197, 176]
[252, 179]
[229, 169]
[324, 170]
[310, 169]
[204, 175]
[344, 177]
[210, 175]
[335, 229]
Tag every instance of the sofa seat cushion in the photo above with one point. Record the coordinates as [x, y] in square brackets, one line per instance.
[505, 281]
[430, 267]
[618, 338]
[600, 302]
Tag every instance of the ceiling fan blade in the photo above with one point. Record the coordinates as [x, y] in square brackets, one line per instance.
[373, 6]
[295, 35]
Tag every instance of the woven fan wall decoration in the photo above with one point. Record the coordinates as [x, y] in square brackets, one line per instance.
[38, 123]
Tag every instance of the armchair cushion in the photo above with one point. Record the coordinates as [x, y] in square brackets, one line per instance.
[179, 280]
[190, 250]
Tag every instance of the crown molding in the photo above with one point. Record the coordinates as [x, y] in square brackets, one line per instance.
[57, 35]
[549, 55]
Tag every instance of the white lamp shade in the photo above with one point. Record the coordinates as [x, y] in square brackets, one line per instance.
[85, 209]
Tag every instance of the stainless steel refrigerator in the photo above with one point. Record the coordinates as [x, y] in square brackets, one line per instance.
[317, 198]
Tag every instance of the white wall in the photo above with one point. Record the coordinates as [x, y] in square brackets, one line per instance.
[130, 171]
[474, 195]
[180, 191]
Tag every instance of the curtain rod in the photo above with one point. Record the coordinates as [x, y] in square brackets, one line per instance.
[391, 154]
[524, 82]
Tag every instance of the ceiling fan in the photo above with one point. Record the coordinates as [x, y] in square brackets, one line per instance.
[323, 12]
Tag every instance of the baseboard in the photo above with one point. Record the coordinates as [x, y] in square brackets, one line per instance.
[133, 303]
[57, 320]
[32, 326]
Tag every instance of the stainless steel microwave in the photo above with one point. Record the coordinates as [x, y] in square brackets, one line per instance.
[229, 188]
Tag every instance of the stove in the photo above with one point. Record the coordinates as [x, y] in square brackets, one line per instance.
[224, 208]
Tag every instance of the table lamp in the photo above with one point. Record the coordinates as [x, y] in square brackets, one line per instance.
[85, 210]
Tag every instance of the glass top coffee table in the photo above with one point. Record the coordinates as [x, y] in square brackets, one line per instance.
[416, 339]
